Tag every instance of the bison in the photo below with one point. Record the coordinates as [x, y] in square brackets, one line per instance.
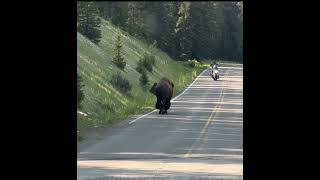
[163, 91]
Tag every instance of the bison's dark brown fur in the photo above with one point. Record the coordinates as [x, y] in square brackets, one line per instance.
[163, 90]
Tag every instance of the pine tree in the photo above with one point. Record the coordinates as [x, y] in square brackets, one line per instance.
[134, 19]
[231, 35]
[240, 54]
[216, 29]
[88, 20]
[152, 26]
[201, 46]
[118, 60]
[114, 11]
[167, 15]
[119, 14]
[212, 30]
[171, 38]
[104, 9]
[184, 32]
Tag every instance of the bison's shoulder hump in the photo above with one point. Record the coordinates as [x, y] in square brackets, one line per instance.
[169, 81]
[165, 79]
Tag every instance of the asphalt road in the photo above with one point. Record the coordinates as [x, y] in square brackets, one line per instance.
[200, 137]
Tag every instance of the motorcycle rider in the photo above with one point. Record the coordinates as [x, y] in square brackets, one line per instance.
[214, 66]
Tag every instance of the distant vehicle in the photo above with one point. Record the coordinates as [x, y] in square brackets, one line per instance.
[214, 71]
[215, 74]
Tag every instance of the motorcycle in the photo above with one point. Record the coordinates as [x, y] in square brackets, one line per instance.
[215, 74]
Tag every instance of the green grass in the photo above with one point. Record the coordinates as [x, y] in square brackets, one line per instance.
[103, 103]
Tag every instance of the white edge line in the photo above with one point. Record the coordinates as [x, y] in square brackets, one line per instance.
[142, 116]
[171, 100]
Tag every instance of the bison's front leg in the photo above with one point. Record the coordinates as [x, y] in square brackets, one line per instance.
[165, 107]
[167, 104]
[162, 109]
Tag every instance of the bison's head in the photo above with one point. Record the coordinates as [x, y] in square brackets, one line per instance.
[153, 88]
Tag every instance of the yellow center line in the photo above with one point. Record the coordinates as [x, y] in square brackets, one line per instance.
[210, 119]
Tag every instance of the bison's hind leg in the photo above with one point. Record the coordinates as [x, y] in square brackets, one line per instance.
[167, 104]
[161, 107]
[158, 106]
[162, 110]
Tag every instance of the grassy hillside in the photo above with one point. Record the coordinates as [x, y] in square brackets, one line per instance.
[102, 101]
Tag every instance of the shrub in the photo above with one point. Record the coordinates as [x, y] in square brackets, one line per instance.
[120, 83]
[148, 65]
[144, 80]
[147, 62]
[193, 63]
[140, 66]
[152, 59]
